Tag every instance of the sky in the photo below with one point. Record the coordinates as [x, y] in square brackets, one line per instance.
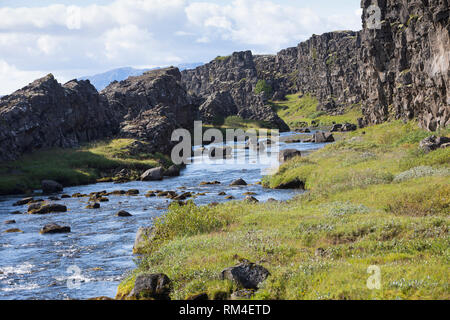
[80, 38]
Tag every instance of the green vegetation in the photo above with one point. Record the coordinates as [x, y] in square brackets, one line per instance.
[302, 108]
[366, 205]
[71, 167]
[222, 58]
[236, 122]
[263, 86]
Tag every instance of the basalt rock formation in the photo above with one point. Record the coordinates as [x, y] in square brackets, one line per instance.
[405, 62]
[46, 114]
[150, 107]
[237, 76]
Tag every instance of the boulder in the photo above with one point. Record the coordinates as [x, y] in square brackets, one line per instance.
[143, 236]
[294, 184]
[173, 171]
[349, 127]
[433, 143]
[54, 228]
[38, 208]
[93, 206]
[251, 199]
[154, 174]
[10, 222]
[15, 230]
[123, 213]
[152, 286]
[238, 182]
[246, 275]
[132, 192]
[288, 154]
[23, 202]
[50, 186]
[323, 137]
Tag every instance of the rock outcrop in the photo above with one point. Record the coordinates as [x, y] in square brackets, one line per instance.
[46, 114]
[236, 76]
[405, 62]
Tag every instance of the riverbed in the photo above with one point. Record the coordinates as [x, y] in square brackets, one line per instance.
[96, 255]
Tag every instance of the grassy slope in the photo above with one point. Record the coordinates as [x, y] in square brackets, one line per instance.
[364, 208]
[295, 110]
[72, 166]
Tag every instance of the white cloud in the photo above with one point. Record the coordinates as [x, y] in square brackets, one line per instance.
[12, 79]
[59, 38]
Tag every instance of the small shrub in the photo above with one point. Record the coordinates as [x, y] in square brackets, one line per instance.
[339, 209]
[263, 86]
[422, 171]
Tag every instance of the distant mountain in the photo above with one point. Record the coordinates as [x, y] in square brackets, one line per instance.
[102, 80]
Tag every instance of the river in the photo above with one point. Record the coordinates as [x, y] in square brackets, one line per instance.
[96, 255]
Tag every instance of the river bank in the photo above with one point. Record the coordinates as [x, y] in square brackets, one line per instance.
[374, 199]
[100, 243]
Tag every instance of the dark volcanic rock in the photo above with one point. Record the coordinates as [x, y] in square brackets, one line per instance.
[238, 182]
[46, 208]
[294, 184]
[47, 114]
[433, 143]
[151, 106]
[405, 71]
[217, 107]
[54, 228]
[247, 275]
[23, 202]
[323, 137]
[152, 286]
[236, 77]
[124, 213]
[50, 186]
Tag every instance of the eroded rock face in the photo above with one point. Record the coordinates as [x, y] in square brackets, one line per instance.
[151, 107]
[217, 107]
[234, 76]
[47, 114]
[405, 65]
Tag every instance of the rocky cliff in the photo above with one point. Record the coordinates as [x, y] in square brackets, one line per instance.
[405, 62]
[47, 114]
[151, 106]
[236, 76]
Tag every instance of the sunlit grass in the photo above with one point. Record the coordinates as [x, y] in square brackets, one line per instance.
[320, 244]
[72, 166]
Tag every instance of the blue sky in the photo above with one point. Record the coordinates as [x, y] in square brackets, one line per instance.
[76, 38]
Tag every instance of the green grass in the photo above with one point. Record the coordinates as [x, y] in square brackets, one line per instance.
[236, 122]
[296, 110]
[72, 167]
[354, 212]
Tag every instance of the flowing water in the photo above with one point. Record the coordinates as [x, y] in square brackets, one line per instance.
[97, 254]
